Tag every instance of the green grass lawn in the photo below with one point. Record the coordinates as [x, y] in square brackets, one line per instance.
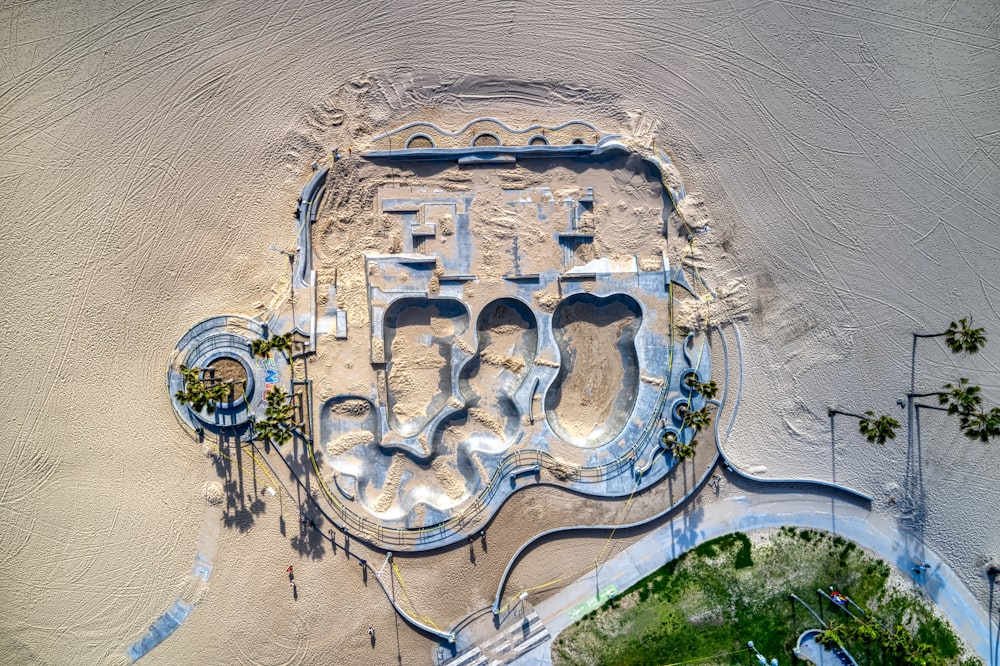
[704, 606]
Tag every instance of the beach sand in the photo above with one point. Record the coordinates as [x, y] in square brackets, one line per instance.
[843, 156]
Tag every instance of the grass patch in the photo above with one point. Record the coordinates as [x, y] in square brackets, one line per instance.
[709, 602]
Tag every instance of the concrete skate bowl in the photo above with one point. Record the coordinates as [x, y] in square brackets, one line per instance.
[342, 421]
[592, 397]
[419, 336]
[507, 336]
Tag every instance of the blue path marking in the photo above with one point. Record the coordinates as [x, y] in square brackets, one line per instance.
[160, 629]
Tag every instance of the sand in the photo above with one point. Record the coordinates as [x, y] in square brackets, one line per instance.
[348, 441]
[843, 155]
[590, 335]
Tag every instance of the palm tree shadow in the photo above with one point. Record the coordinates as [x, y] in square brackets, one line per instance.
[914, 512]
[310, 541]
[257, 506]
[833, 468]
[243, 501]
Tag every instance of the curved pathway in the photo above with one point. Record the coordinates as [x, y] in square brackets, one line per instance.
[754, 507]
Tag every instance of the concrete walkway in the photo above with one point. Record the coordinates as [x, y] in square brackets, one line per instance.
[752, 511]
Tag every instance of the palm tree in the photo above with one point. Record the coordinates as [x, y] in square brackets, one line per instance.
[197, 398]
[190, 374]
[829, 636]
[272, 431]
[277, 425]
[217, 392]
[960, 337]
[264, 430]
[282, 343]
[193, 399]
[195, 394]
[876, 429]
[684, 451]
[982, 425]
[867, 631]
[281, 435]
[278, 406]
[260, 347]
[678, 449]
[961, 398]
[698, 419]
[708, 389]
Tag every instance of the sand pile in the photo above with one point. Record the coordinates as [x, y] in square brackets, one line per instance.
[591, 387]
[348, 441]
[352, 407]
[513, 363]
[387, 493]
[413, 376]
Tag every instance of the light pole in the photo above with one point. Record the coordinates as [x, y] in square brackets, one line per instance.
[287, 253]
[761, 659]
[291, 260]
[291, 284]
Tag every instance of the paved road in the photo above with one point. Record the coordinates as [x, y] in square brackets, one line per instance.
[756, 510]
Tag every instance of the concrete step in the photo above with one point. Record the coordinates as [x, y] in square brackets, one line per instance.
[505, 646]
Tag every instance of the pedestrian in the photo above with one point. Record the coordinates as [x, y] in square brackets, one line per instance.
[371, 631]
[289, 569]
